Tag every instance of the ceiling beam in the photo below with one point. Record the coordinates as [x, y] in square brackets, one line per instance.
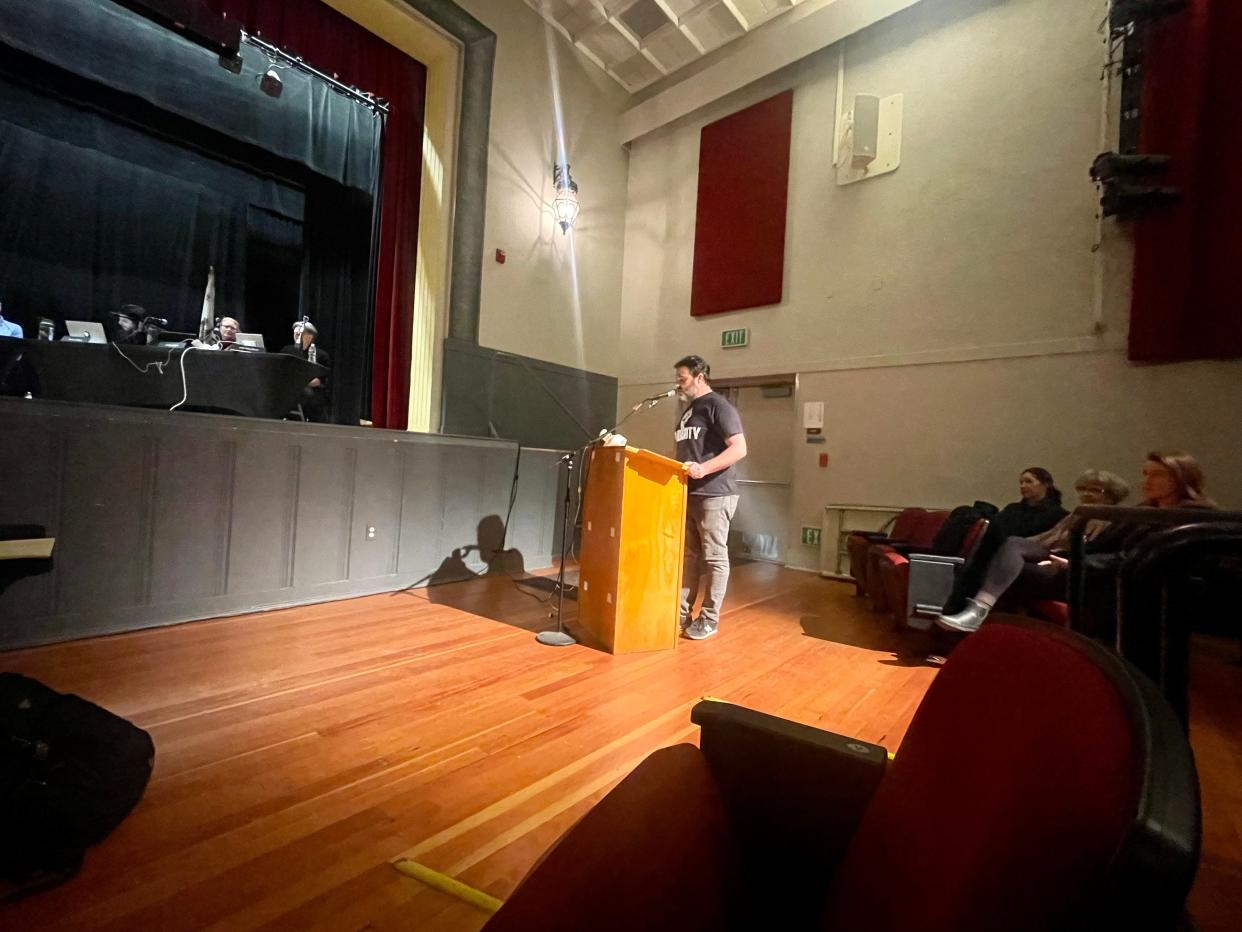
[807, 28]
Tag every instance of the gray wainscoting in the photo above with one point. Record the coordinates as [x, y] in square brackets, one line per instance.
[162, 518]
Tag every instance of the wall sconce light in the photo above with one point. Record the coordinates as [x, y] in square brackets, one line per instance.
[565, 203]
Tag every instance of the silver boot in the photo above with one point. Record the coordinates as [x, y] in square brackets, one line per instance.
[967, 620]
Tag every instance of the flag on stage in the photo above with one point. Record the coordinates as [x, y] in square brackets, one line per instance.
[207, 321]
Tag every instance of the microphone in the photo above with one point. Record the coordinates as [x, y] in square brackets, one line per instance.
[654, 399]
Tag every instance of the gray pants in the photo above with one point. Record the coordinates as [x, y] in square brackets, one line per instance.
[707, 541]
[1021, 556]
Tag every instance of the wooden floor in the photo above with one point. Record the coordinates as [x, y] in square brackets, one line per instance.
[300, 751]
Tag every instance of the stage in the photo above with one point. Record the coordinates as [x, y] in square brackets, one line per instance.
[299, 751]
[166, 517]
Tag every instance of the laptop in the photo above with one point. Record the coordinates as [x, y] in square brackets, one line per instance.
[84, 331]
[254, 340]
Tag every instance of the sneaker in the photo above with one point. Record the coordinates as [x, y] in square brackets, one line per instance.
[701, 630]
[968, 620]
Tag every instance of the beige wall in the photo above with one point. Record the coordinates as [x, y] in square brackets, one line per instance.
[947, 313]
[533, 305]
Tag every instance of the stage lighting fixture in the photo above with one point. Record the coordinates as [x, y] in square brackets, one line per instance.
[1124, 12]
[1125, 184]
[278, 60]
[565, 203]
[270, 83]
[1108, 165]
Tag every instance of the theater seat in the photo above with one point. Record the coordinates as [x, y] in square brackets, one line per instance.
[1043, 784]
[922, 536]
[859, 543]
[916, 584]
[1052, 611]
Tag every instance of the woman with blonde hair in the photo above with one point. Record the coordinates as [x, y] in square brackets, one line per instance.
[1174, 480]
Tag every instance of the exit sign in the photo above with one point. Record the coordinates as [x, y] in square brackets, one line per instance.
[810, 536]
[734, 338]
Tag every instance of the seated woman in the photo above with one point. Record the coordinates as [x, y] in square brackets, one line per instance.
[1038, 510]
[1031, 554]
[1170, 480]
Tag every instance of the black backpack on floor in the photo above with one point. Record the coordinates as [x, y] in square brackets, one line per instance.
[70, 772]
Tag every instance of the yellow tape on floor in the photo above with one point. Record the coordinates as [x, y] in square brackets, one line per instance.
[446, 884]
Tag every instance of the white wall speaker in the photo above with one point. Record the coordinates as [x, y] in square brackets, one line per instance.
[871, 143]
[866, 128]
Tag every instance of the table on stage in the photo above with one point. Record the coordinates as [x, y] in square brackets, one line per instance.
[266, 385]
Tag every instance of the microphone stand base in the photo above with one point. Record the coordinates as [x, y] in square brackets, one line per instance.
[555, 638]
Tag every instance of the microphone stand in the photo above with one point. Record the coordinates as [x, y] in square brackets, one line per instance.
[645, 403]
[560, 637]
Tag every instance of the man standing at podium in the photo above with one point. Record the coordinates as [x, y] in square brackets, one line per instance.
[709, 441]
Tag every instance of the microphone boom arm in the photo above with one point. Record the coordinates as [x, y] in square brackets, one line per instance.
[646, 402]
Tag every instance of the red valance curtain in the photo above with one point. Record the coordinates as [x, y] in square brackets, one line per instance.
[337, 45]
[1187, 301]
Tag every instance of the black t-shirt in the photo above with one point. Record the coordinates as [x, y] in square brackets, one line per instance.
[701, 434]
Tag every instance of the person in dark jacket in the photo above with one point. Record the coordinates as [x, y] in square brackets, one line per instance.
[316, 401]
[1038, 510]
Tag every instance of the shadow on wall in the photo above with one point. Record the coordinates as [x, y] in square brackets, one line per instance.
[495, 585]
[451, 582]
[492, 560]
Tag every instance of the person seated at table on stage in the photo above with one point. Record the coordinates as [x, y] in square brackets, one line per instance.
[225, 336]
[126, 326]
[228, 333]
[8, 328]
[315, 395]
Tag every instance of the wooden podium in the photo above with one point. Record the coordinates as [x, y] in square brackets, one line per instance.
[633, 531]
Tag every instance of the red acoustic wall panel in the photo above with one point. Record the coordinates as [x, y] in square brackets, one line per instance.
[739, 234]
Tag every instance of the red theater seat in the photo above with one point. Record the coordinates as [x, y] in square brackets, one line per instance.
[916, 585]
[882, 556]
[1055, 612]
[1043, 784]
[859, 543]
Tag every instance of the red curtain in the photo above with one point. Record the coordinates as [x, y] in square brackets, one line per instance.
[1187, 300]
[337, 45]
